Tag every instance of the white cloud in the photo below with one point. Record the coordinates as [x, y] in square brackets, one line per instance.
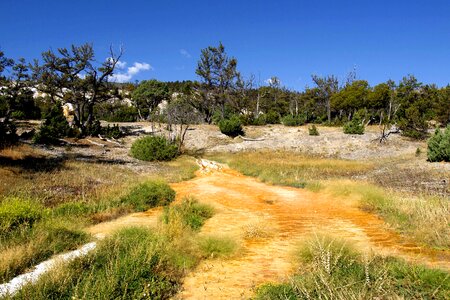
[121, 65]
[131, 71]
[273, 80]
[185, 53]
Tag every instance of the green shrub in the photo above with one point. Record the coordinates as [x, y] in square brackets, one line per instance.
[71, 209]
[116, 112]
[439, 146]
[8, 134]
[16, 212]
[231, 127]
[355, 126]
[112, 132]
[192, 213]
[291, 120]
[313, 130]
[54, 127]
[149, 194]
[272, 117]
[151, 148]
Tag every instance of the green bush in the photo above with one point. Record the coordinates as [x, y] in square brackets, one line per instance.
[16, 212]
[8, 134]
[192, 213]
[112, 132]
[54, 127]
[231, 127]
[439, 146]
[355, 126]
[116, 112]
[313, 130]
[291, 120]
[151, 148]
[149, 194]
[272, 117]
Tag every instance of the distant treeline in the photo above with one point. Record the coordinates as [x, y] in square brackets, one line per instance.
[29, 90]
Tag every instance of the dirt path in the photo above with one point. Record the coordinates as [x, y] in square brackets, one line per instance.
[282, 216]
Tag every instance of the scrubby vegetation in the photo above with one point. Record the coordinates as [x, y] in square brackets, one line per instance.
[439, 146]
[189, 212]
[313, 130]
[149, 194]
[333, 270]
[54, 127]
[293, 120]
[355, 126]
[231, 127]
[154, 148]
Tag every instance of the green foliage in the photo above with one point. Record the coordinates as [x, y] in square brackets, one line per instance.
[17, 212]
[149, 194]
[8, 134]
[231, 127]
[272, 117]
[313, 130]
[116, 112]
[439, 146]
[54, 127]
[192, 213]
[151, 148]
[149, 94]
[112, 132]
[355, 126]
[291, 120]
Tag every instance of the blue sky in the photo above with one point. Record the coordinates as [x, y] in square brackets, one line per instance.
[288, 39]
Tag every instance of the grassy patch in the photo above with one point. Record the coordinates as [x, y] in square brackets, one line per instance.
[149, 194]
[16, 213]
[215, 247]
[190, 212]
[30, 246]
[332, 270]
[292, 169]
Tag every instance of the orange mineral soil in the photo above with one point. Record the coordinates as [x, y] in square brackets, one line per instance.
[269, 221]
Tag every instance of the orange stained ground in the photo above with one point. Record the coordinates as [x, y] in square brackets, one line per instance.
[287, 215]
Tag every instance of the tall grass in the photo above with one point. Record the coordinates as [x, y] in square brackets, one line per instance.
[330, 269]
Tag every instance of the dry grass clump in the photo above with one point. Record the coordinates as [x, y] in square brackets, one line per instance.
[257, 230]
[331, 269]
